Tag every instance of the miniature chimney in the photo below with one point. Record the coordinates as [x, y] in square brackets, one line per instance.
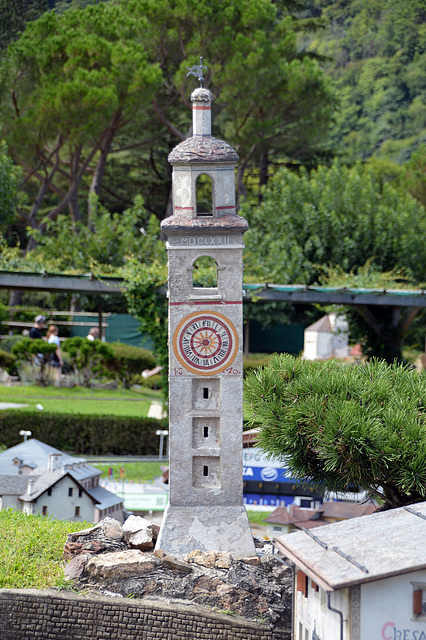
[30, 486]
[55, 461]
[201, 112]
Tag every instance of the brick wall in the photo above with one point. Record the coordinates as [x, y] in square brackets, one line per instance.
[52, 615]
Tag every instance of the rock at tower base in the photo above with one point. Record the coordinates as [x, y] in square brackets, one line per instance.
[206, 528]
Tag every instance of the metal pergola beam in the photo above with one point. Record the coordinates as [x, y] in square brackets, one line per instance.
[312, 296]
[56, 283]
[89, 285]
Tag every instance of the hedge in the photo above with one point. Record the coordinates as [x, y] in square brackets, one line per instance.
[84, 434]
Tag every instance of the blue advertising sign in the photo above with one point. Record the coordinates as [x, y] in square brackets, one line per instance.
[266, 474]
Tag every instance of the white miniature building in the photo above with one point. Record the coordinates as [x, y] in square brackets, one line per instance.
[206, 509]
[326, 338]
[37, 478]
[361, 579]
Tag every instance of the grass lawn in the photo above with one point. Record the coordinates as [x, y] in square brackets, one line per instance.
[31, 550]
[122, 402]
[142, 472]
[257, 517]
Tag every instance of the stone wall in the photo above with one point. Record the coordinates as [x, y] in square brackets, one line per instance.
[53, 615]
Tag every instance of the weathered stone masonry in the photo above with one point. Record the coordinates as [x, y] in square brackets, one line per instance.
[51, 615]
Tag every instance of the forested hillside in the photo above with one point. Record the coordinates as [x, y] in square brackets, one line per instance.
[376, 52]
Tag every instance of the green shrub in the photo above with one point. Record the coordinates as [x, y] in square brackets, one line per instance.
[128, 362]
[84, 434]
[36, 351]
[88, 358]
[7, 362]
[153, 382]
[9, 342]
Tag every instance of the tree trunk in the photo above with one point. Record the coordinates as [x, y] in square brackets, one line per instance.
[15, 298]
[391, 329]
[99, 172]
[263, 172]
[241, 187]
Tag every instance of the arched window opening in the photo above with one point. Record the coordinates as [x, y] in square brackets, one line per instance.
[204, 194]
[204, 274]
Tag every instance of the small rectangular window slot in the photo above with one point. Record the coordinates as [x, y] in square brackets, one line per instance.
[206, 432]
[205, 470]
[204, 215]
[205, 392]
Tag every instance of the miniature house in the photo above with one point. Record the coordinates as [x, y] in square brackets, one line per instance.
[37, 478]
[326, 338]
[206, 509]
[360, 579]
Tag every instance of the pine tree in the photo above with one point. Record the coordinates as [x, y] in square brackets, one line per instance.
[345, 427]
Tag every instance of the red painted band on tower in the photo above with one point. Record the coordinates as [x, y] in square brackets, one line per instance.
[175, 304]
[202, 108]
[231, 206]
[186, 208]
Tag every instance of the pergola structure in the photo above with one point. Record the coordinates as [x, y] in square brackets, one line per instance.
[403, 304]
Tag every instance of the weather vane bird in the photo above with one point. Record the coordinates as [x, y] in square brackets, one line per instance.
[197, 71]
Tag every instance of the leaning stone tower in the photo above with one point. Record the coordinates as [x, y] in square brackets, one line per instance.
[206, 509]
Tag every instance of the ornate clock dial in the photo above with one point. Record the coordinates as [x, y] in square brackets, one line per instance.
[205, 343]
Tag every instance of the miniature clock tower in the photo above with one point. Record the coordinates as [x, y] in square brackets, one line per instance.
[205, 511]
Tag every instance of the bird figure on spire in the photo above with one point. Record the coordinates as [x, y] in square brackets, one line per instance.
[197, 71]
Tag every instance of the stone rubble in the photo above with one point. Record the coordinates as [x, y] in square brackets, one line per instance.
[109, 558]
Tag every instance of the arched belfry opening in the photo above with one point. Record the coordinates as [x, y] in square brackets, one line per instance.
[204, 273]
[204, 195]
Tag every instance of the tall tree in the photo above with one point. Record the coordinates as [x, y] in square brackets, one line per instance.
[74, 81]
[348, 217]
[337, 215]
[67, 86]
[270, 95]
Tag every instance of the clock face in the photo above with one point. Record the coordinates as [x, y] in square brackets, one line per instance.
[205, 343]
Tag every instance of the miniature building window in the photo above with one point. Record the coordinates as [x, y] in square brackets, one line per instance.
[44, 511]
[70, 492]
[206, 394]
[205, 433]
[80, 493]
[49, 491]
[204, 273]
[205, 472]
[204, 194]
[419, 601]
[302, 583]
[77, 511]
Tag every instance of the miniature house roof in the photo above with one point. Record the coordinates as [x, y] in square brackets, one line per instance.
[44, 482]
[323, 325]
[35, 454]
[200, 149]
[376, 546]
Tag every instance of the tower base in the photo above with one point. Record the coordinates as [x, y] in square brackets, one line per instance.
[185, 529]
